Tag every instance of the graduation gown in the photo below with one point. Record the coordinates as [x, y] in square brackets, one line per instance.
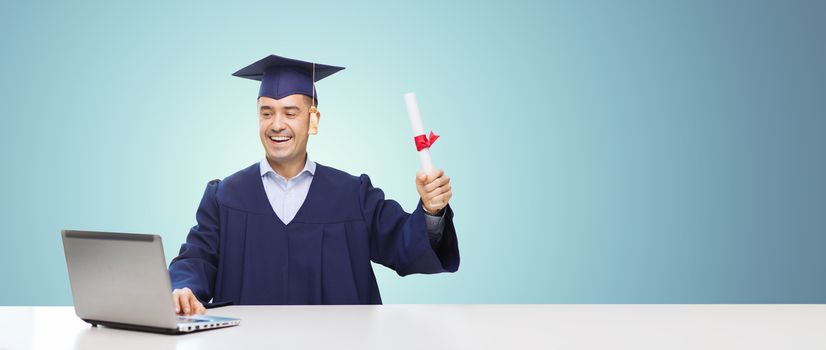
[240, 252]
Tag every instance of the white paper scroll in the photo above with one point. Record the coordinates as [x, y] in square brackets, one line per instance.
[415, 116]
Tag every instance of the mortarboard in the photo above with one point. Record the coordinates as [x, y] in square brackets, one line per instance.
[281, 76]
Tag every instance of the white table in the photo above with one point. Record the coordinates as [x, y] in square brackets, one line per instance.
[446, 327]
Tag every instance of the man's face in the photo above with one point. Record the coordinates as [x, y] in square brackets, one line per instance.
[283, 126]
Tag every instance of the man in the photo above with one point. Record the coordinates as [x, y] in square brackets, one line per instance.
[287, 230]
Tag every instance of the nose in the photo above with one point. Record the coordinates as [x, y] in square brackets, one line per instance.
[278, 123]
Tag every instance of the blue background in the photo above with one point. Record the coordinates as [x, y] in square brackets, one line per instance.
[600, 151]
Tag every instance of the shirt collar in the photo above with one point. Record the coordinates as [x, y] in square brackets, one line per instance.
[309, 166]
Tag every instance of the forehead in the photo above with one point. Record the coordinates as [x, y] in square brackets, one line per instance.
[294, 100]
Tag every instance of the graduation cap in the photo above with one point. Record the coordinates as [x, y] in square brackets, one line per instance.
[281, 76]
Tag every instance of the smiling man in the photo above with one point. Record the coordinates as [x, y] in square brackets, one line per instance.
[287, 230]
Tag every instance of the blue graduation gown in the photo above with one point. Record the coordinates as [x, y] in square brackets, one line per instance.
[240, 252]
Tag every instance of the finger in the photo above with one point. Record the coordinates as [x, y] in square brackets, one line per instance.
[433, 186]
[437, 183]
[195, 304]
[185, 307]
[421, 177]
[434, 174]
[438, 191]
[201, 310]
[441, 200]
[420, 182]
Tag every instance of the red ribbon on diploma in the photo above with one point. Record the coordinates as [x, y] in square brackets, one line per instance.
[422, 141]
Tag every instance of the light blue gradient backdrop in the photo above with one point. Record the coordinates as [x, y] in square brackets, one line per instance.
[601, 152]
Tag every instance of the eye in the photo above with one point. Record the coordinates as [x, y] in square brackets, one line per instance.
[291, 115]
[266, 115]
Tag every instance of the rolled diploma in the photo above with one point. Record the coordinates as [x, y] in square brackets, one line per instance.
[415, 116]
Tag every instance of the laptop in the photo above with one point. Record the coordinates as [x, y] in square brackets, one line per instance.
[120, 280]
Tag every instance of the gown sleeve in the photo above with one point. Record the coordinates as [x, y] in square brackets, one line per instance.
[399, 240]
[196, 264]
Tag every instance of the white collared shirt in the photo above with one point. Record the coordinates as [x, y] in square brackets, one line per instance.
[287, 195]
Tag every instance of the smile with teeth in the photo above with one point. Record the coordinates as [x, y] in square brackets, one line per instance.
[280, 139]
